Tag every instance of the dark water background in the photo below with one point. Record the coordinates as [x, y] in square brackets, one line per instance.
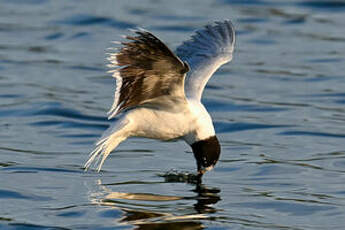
[279, 109]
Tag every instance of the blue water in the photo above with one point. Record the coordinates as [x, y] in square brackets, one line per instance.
[278, 108]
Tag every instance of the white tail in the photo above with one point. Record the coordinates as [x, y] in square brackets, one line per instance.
[111, 138]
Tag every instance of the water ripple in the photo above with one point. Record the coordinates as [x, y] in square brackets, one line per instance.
[54, 36]
[218, 105]
[296, 209]
[225, 127]
[70, 124]
[49, 109]
[324, 5]
[179, 28]
[25, 226]
[20, 169]
[307, 133]
[87, 20]
[8, 194]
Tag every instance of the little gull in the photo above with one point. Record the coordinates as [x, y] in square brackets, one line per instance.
[158, 93]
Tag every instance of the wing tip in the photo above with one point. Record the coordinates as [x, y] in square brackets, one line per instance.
[213, 39]
[225, 24]
[231, 28]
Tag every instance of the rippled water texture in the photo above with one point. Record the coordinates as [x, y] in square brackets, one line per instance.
[279, 110]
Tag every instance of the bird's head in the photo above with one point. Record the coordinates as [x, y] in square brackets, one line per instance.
[206, 153]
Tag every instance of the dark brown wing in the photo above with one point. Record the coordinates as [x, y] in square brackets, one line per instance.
[146, 69]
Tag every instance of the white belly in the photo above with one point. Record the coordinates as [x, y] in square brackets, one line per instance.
[191, 123]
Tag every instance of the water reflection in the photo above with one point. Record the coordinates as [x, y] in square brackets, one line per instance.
[156, 211]
[206, 197]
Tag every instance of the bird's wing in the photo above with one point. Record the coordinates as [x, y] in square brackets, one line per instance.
[205, 52]
[147, 71]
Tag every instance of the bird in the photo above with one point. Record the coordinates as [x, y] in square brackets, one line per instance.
[158, 92]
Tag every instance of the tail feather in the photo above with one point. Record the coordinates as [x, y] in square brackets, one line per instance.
[94, 157]
[111, 138]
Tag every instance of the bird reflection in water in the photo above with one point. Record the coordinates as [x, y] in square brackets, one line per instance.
[145, 216]
[205, 196]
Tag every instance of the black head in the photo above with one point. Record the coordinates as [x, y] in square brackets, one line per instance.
[206, 153]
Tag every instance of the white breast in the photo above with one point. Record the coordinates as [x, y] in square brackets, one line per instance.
[159, 124]
[202, 123]
[191, 122]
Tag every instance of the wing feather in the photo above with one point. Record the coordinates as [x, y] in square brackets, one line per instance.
[205, 52]
[145, 70]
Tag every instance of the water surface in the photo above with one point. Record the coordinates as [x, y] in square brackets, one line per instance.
[278, 108]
